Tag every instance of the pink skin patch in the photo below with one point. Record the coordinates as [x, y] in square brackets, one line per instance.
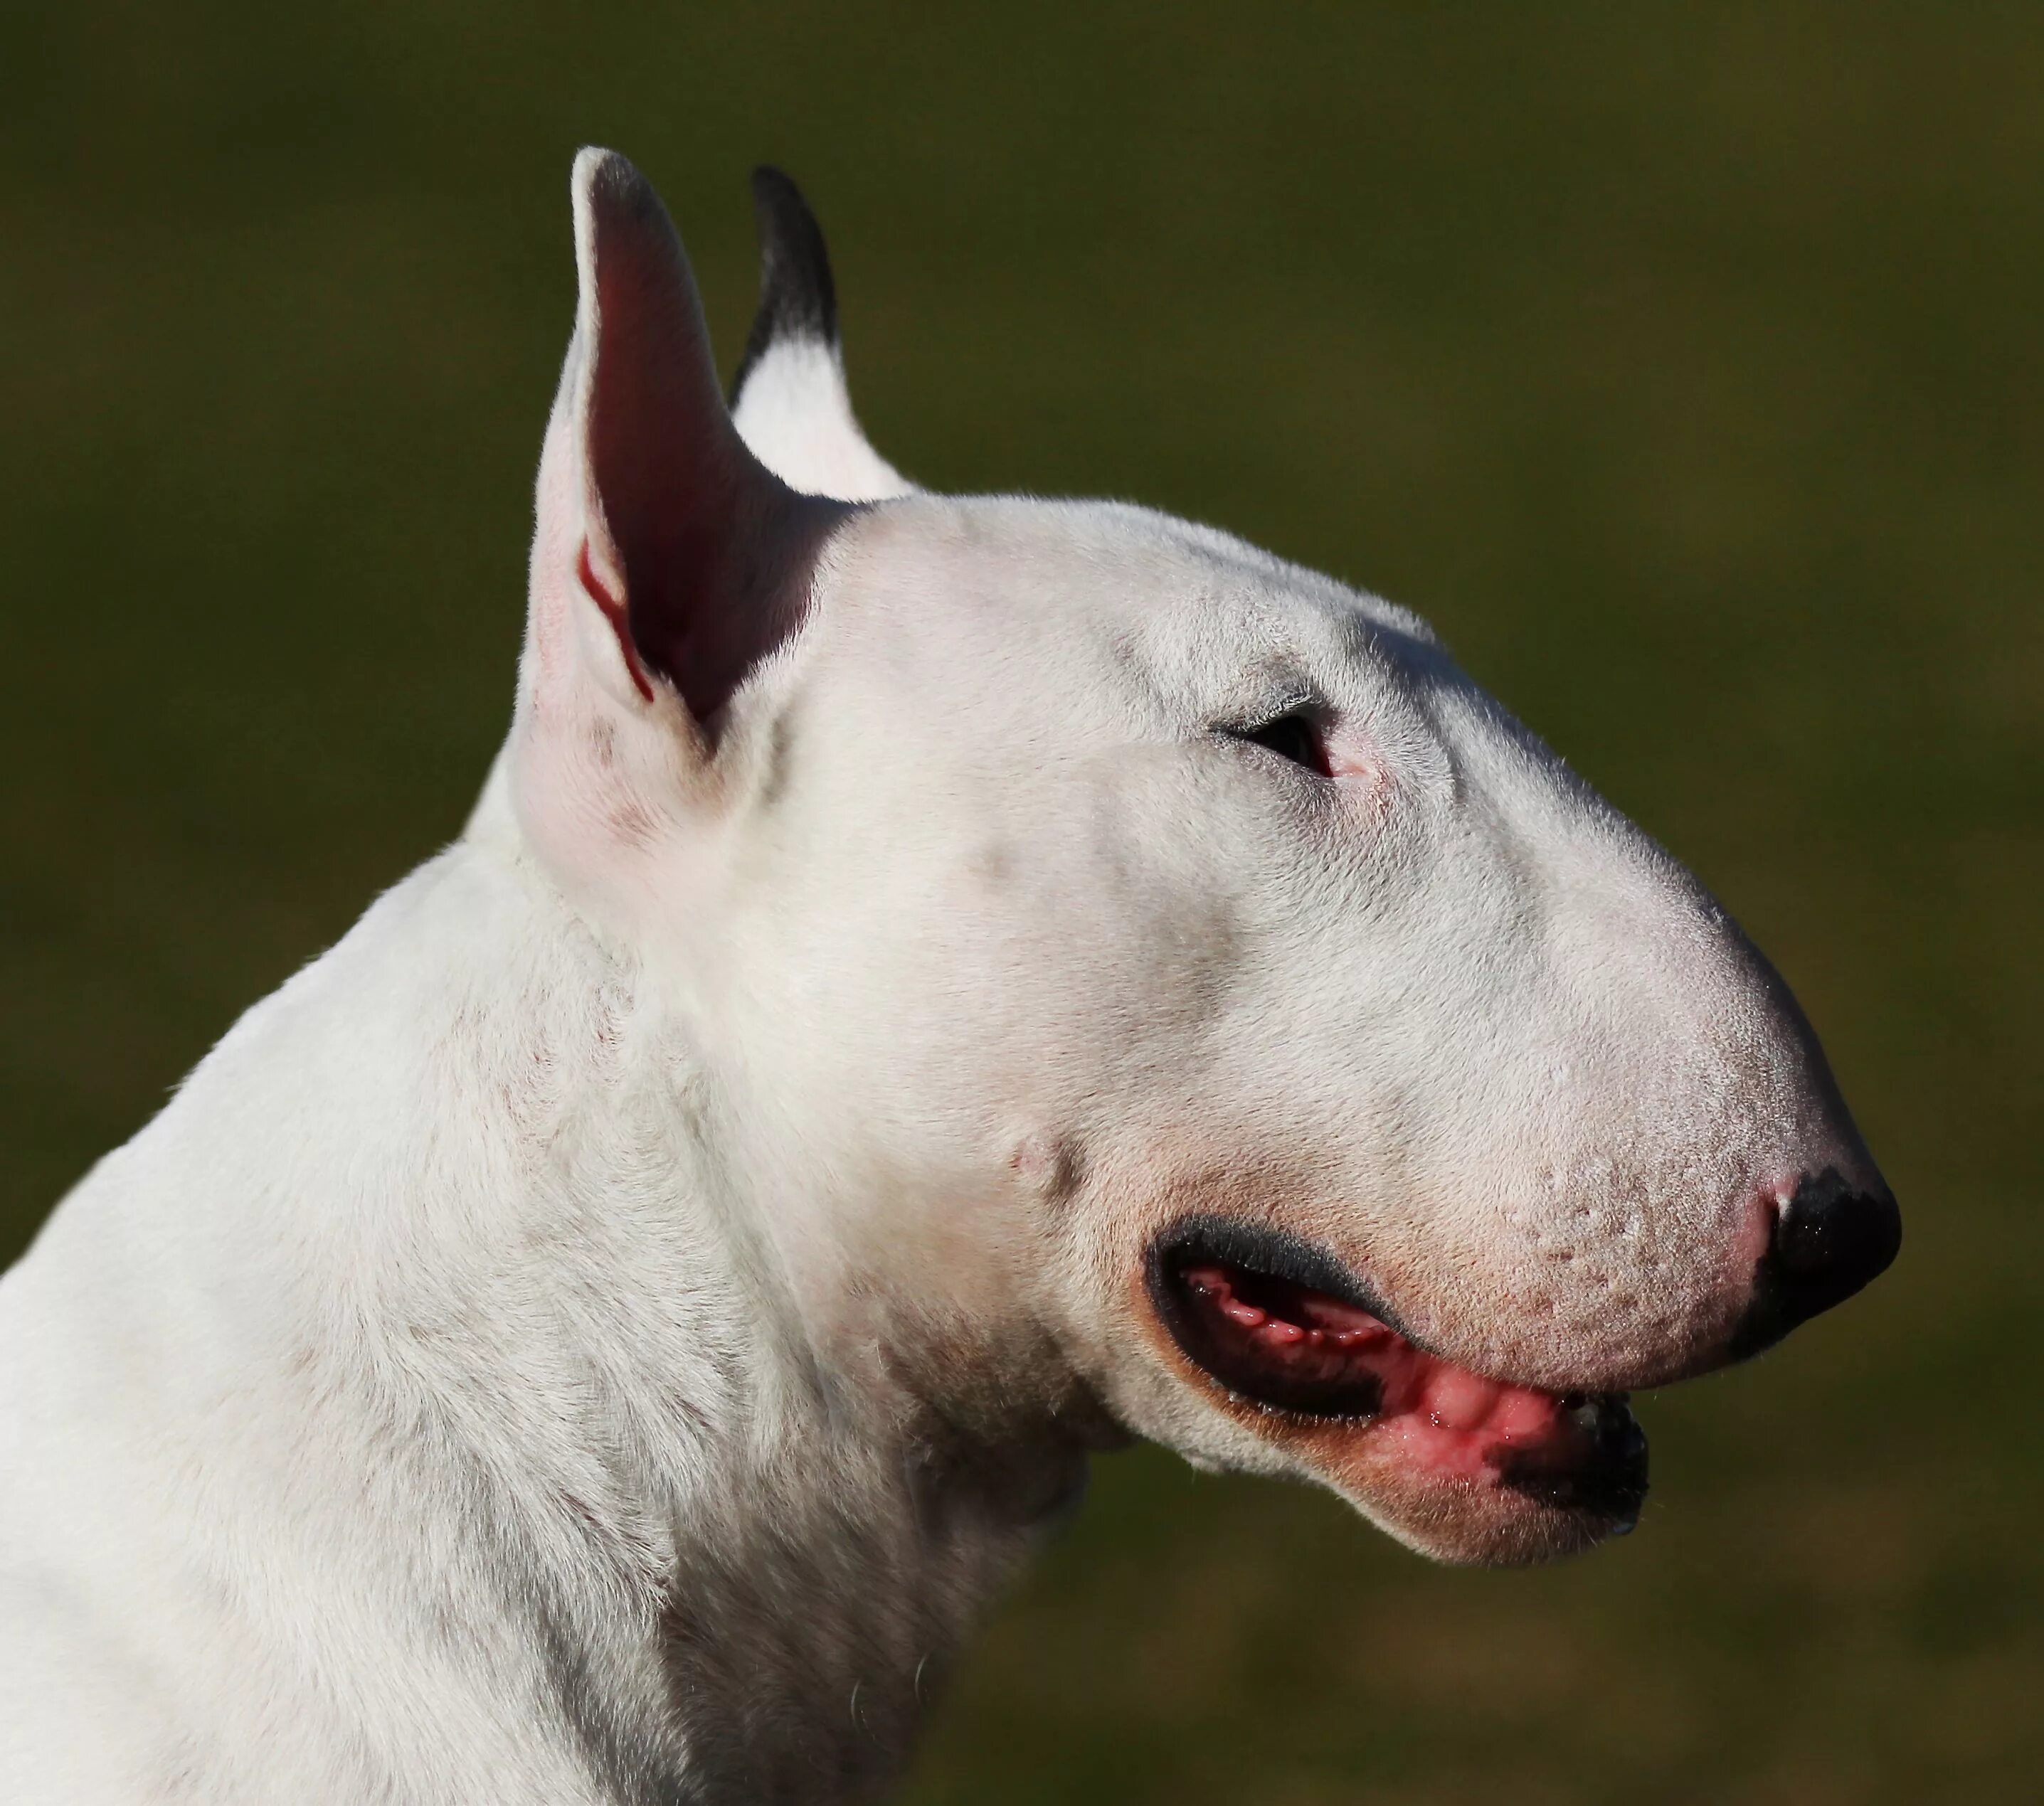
[613, 611]
[1274, 1338]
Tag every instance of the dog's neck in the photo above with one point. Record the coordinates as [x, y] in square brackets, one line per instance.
[514, 1341]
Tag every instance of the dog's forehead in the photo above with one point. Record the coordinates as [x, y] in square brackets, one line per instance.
[1117, 598]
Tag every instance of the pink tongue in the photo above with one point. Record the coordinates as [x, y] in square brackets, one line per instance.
[1447, 1416]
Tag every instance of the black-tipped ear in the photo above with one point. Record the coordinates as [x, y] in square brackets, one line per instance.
[798, 299]
[713, 553]
[789, 397]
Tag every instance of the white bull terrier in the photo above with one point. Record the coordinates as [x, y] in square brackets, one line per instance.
[933, 988]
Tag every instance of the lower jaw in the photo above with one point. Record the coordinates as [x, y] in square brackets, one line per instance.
[1511, 1511]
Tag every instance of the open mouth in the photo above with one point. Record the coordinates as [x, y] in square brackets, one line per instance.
[1280, 1324]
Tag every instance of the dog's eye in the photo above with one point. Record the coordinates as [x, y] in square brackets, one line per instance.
[1292, 736]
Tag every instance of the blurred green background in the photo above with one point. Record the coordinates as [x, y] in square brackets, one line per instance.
[1682, 364]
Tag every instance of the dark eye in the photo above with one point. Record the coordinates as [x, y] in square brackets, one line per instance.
[1293, 736]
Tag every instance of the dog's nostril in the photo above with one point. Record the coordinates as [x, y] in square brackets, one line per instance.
[1829, 1240]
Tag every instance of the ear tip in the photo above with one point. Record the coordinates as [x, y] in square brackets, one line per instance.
[798, 297]
[594, 164]
[609, 183]
[789, 234]
[773, 187]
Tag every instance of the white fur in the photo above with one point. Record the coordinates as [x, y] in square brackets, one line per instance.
[795, 412]
[600, 1332]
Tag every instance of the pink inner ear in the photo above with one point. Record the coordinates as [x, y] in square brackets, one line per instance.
[709, 553]
[613, 611]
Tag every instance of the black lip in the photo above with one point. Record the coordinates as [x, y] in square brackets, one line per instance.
[1276, 1254]
[1606, 1479]
[1284, 1258]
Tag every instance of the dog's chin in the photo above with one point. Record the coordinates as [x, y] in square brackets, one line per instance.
[1494, 1519]
[1462, 1467]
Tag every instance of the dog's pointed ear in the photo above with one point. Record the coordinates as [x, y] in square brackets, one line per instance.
[668, 563]
[789, 397]
[696, 555]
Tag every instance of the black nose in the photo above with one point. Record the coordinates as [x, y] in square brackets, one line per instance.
[1829, 1242]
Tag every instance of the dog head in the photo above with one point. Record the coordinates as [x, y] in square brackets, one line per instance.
[1180, 980]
